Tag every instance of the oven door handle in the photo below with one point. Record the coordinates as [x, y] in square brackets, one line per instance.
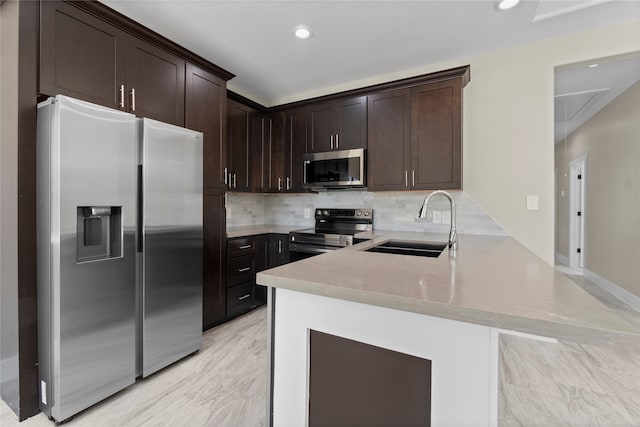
[310, 249]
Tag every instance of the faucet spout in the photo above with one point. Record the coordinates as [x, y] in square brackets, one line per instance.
[422, 213]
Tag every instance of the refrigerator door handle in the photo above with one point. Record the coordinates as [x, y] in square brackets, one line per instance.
[139, 211]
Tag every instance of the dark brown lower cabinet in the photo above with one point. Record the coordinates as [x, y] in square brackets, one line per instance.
[214, 290]
[357, 384]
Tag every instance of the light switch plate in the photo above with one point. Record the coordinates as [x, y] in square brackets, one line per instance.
[437, 217]
[532, 203]
[307, 213]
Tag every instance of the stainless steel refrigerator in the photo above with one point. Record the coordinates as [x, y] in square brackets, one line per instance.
[119, 250]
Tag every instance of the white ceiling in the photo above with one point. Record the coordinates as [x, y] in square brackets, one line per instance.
[581, 91]
[355, 40]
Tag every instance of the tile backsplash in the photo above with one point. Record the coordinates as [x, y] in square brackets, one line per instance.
[391, 210]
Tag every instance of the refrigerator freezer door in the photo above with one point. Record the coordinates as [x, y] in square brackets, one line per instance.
[171, 311]
[86, 187]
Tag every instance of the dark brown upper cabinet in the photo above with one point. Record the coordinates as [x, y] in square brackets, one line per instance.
[415, 138]
[436, 135]
[239, 123]
[279, 143]
[155, 82]
[295, 145]
[81, 56]
[389, 152]
[268, 153]
[338, 125]
[87, 58]
[205, 111]
[262, 125]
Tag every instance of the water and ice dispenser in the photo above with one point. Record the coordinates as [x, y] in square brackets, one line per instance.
[99, 233]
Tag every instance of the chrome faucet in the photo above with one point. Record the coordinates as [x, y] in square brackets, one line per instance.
[453, 235]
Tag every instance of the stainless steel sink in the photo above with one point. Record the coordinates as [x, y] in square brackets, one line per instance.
[424, 249]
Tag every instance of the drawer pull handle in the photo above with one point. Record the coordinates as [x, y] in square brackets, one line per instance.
[245, 247]
[242, 270]
[244, 297]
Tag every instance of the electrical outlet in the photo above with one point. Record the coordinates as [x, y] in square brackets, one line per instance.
[446, 217]
[228, 213]
[307, 213]
[532, 203]
[437, 217]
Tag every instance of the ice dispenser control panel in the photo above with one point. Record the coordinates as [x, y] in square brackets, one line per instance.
[99, 233]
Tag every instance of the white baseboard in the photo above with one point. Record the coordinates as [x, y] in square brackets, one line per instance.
[561, 259]
[616, 290]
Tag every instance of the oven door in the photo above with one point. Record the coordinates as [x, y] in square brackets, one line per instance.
[298, 251]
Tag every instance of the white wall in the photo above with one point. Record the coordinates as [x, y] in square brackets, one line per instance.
[508, 125]
[9, 204]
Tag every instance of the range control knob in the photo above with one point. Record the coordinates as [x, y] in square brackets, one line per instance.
[358, 213]
[325, 212]
[366, 213]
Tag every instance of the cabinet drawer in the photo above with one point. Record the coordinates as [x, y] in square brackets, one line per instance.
[241, 269]
[240, 298]
[241, 246]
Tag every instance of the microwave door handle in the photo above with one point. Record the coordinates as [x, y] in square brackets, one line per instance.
[304, 172]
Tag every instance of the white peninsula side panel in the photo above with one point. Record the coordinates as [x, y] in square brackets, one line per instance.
[463, 355]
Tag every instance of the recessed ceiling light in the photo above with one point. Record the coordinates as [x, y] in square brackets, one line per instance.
[507, 4]
[302, 32]
[593, 65]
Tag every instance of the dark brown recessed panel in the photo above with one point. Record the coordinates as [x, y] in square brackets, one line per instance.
[357, 384]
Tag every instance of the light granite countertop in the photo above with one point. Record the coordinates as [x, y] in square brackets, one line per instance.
[254, 230]
[492, 281]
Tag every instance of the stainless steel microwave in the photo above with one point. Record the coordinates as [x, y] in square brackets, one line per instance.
[335, 169]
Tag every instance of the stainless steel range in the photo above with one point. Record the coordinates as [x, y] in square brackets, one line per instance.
[335, 229]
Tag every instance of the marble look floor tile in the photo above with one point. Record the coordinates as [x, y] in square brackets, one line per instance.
[224, 384]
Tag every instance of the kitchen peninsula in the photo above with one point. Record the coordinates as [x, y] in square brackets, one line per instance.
[448, 312]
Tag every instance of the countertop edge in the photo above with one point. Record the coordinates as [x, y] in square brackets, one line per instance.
[540, 327]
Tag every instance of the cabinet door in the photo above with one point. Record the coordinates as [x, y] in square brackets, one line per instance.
[261, 136]
[239, 145]
[276, 154]
[350, 123]
[81, 56]
[296, 147]
[278, 250]
[206, 112]
[389, 134]
[436, 135]
[214, 290]
[321, 130]
[155, 79]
